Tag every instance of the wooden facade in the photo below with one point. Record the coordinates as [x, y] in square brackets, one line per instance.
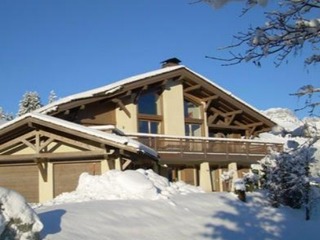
[198, 128]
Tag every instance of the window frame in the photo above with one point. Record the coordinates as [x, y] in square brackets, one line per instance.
[196, 121]
[152, 117]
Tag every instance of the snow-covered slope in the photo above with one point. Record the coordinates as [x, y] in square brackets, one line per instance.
[143, 205]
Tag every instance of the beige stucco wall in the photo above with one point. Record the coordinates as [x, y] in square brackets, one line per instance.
[173, 109]
[126, 123]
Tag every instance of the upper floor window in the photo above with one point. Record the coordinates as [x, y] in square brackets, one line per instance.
[193, 119]
[191, 110]
[149, 103]
[149, 113]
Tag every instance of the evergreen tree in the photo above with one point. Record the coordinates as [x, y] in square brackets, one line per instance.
[30, 102]
[5, 116]
[287, 177]
[52, 96]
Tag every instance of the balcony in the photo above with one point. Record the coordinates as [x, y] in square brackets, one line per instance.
[194, 150]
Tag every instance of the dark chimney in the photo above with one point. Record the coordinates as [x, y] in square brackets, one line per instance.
[170, 62]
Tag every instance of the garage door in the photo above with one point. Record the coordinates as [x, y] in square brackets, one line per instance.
[66, 175]
[187, 175]
[23, 179]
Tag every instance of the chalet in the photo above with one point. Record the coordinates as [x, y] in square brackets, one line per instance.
[172, 119]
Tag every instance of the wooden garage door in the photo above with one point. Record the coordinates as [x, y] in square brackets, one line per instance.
[66, 175]
[187, 175]
[23, 179]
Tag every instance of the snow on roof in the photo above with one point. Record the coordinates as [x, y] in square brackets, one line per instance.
[87, 130]
[113, 87]
[107, 89]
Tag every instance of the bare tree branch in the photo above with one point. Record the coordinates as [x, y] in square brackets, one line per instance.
[286, 32]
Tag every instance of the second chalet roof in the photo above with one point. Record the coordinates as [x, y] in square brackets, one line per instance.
[123, 142]
[168, 72]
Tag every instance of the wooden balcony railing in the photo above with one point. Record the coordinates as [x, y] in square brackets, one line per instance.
[206, 146]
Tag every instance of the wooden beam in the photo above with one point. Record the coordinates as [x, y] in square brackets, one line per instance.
[77, 103]
[229, 117]
[72, 142]
[53, 156]
[213, 117]
[126, 164]
[46, 143]
[16, 141]
[235, 112]
[37, 144]
[215, 110]
[226, 126]
[122, 106]
[43, 168]
[208, 101]
[189, 89]
[254, 124]
[192, 98]
[28, 144]
[213, 97]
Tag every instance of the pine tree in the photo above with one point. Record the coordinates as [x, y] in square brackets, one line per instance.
[52, 96]
[287, 177]
[5, 116]
[30, 102]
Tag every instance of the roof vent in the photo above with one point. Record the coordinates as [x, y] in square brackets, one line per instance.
[170, 62]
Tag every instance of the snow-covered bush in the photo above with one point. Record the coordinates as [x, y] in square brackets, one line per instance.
[240, 189]
[286, 176]
[226, 178]
[17, 218]
[251, 180]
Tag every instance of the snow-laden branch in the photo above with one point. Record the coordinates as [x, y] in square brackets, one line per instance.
[286, 31]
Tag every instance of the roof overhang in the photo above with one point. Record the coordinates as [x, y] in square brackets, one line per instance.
[224, 109]
[37, 131]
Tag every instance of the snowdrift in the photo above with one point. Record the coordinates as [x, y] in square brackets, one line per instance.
[120, 185]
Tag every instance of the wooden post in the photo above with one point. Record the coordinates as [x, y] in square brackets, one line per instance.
[117, 163]
[205, 177]
[233, 167]
[45, 181]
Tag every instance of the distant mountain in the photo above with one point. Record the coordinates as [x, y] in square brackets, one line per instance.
[292, 132]
[289, 123]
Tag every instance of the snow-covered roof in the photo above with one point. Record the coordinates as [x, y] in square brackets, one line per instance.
[113, 87]
[123, 140]
[107, 89]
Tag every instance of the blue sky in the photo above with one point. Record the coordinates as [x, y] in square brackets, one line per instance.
[71, 46]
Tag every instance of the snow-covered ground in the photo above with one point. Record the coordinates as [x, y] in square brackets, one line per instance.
[139, 204]
[183, 216]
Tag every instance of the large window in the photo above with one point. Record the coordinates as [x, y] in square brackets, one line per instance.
[193, 119]
[149, 126]
[191, 110]
[149, 113]
[193, 129]
[149, 103]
